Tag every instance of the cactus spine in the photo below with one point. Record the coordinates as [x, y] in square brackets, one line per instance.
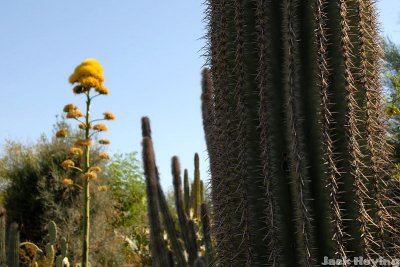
[295, 133]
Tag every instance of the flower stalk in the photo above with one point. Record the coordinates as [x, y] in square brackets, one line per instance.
[88, 75]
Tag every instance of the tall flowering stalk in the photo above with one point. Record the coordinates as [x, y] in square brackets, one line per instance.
[88, 80]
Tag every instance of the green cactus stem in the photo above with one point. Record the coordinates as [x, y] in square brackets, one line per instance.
[13, 245]
[3, 256]
[158, 250]
[292, 111]
[163, 207]
[206, 229]
[190, 244]
[186, 192]
[196, 196]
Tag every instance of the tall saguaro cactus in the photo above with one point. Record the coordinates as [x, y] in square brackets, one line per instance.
[295, 132]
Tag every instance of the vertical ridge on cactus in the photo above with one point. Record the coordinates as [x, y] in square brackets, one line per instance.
[159, 255]
[3, 255]
[294, 126]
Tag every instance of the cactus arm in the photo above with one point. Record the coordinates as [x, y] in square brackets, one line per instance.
[186, 192]
[13, 245]
[182, 218]
[205, 222]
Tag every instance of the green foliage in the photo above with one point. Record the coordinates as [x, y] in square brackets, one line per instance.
[35, 195]
[392, 82]
[127, 187]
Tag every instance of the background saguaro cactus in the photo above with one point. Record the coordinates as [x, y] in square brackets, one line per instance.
[295, 132]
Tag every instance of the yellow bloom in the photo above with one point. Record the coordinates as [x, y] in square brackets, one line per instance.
[102, 90]
[83, 126]
[89, 67]
[95, 169]
[67, 164]
[69, 107]
[83, 142]
[104, 156]
[104, 141]
[62, 133]
[74, 114]
[89, 82]
[102, 188]
[109, 115]
[68, 182]
[75, 151]
[100, 127]
[79, 89]
[90, 175]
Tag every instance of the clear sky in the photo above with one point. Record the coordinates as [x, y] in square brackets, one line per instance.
[151, 54]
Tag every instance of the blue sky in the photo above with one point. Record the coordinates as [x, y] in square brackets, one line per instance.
[151, 54]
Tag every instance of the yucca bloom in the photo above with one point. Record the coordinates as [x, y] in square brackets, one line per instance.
[102, 188]
[67, 164]
[62, 133]
[95, 169]
[83, 142]
[100, 127]
[75, 151]
[104, 141]
[90, 176]
[109, 115]
[68, 182]
[74, 114]
[104, 156]
[69, 107]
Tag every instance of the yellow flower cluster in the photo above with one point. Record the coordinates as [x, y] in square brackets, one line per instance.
[95, 169]
[69, 107]
[104, 141]
[102, 188]
[74, 114]
[89, 74]
[90, 175]
[100, 127]
[67, 164]
[62, 133]
[104, 156]
[83, 142]
[68, 182]
[83, 126]
[75, 151]
[109, 115]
